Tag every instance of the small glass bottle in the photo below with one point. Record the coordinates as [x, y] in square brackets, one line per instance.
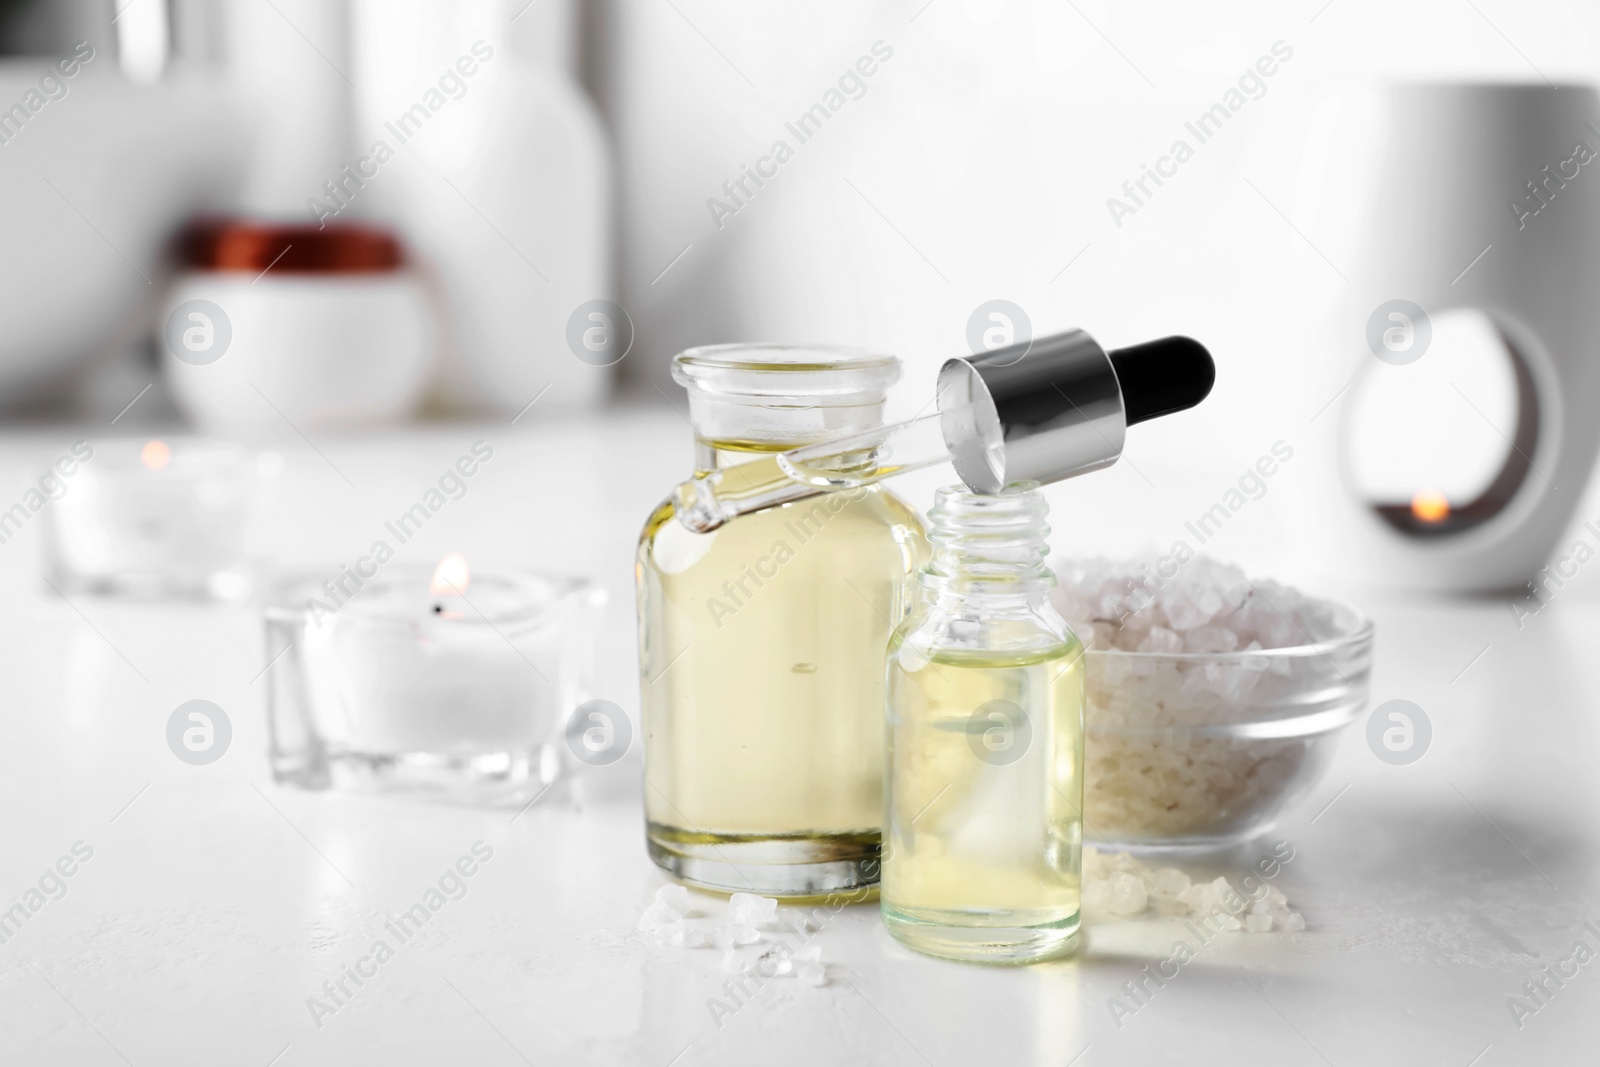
[761, 643]
[983, 829]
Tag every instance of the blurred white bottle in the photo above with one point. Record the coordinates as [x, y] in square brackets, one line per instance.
[289, 62]
[500, 180]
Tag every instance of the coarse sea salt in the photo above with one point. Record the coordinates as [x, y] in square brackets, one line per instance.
[805, 965]
[743, 935]
[1151, 776]
[673, 896]
[1109, 878]
[679, 934]
[667, 919]
[658, 915]
[776, 962]
[747, 909]
[1204, 606]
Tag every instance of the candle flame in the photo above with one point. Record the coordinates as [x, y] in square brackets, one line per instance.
[1430, 506]
[451, 576]
[155, 455]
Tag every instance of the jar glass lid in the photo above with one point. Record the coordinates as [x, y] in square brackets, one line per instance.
[796, 371]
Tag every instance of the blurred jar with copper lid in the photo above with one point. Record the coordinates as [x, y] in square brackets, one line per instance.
[269, 328]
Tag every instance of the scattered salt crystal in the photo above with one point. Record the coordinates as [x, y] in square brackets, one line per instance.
[776, 962]
[665, 921]
[1227, 896]
[811, 954]
[1097, 895]
[656, 916]
[1294, 923]
[1201, 898]
[1115, 885]
[731, 963]
[673, 896]
[1127, 895]
[813, 974]
[747, 909]
[672, 934]
[1169, 881]
[1112, 886]
[1166, 905]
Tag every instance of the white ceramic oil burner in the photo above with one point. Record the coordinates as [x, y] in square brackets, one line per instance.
[1485, 207]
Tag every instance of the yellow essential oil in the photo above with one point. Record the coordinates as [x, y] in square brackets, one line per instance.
[761, 656]
[983, 839]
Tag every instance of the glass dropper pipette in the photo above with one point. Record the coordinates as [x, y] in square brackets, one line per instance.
[1044, 410]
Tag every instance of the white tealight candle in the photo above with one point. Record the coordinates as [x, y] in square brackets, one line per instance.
[153, 519]
[457, 683]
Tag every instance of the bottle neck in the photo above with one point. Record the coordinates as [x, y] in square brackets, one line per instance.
[990, 546]
[776, 423]
[732, 431]
[711, 455]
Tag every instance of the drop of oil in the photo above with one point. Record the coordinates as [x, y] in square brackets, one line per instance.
[804, 668]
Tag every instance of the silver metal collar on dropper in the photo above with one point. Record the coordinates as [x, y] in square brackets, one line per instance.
[1038, 411]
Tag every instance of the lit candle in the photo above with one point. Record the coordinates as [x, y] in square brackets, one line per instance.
[451, 683]
[154, 519]
[1430, 506]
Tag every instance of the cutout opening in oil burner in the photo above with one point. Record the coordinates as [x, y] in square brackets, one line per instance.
[1451, 490]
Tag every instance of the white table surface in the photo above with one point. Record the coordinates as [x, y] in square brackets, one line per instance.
[216, 902]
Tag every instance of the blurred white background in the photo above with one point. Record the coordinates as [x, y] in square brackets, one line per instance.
[974, 164]
[978, 165]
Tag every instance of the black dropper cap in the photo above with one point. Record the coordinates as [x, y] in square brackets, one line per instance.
[1162, 376]
[1057, 407]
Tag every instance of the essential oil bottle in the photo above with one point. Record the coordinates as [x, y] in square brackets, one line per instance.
[761, 643]
[984, 798]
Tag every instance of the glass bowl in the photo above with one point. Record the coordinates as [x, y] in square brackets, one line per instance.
[1202, 751]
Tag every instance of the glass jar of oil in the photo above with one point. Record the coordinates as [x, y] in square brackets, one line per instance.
[762, 642]
[984, 828]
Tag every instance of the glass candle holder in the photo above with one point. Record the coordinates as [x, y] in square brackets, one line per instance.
[155, 520]
[459, 691]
